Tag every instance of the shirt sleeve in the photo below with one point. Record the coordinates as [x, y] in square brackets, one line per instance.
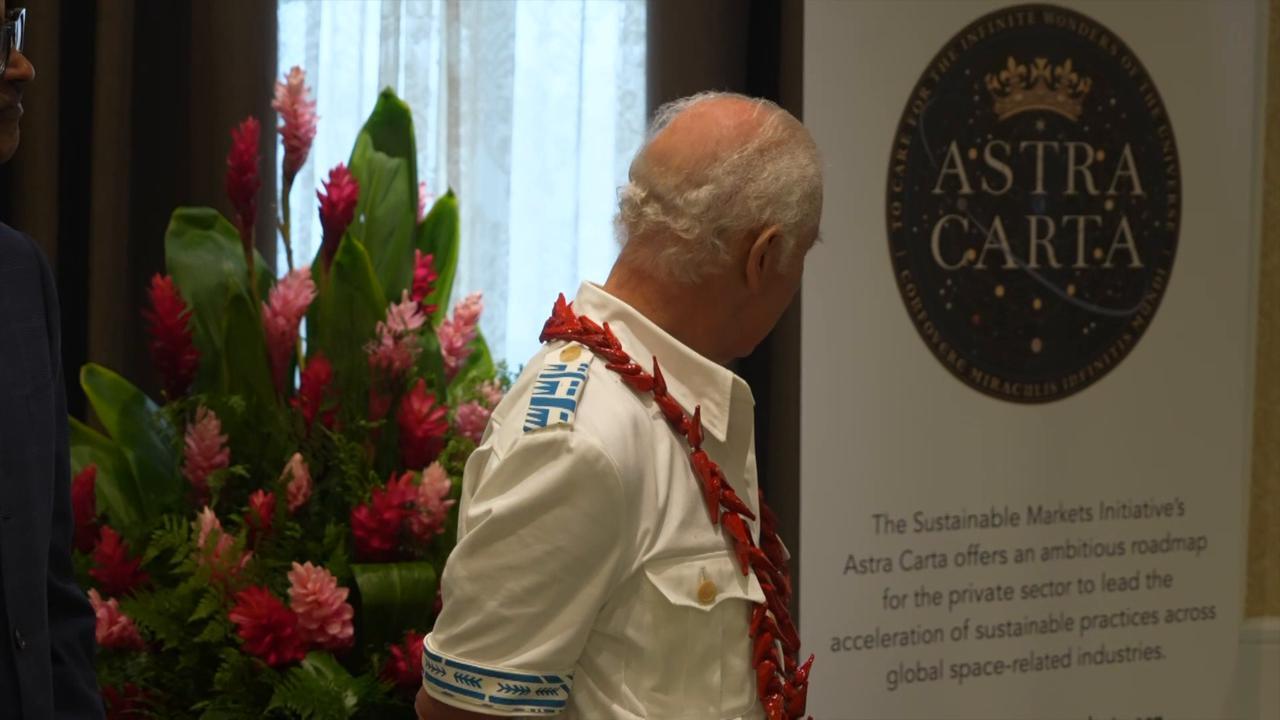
[544, 544]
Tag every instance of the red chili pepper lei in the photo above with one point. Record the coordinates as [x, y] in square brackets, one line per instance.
[781, 689]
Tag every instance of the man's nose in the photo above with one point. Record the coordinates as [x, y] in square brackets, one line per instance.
[19, 69]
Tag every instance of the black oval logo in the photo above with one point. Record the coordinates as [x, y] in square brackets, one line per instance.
[1033, 203]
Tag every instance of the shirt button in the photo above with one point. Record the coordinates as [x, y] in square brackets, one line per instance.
[19, 641]
[707, 592]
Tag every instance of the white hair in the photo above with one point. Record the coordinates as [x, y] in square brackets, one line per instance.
[681, 223]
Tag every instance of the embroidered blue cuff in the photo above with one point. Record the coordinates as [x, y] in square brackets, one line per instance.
[500, 691]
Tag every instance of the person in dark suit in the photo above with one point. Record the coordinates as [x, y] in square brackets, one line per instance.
[46, 623]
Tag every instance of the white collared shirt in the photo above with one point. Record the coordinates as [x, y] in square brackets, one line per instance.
[588, 579]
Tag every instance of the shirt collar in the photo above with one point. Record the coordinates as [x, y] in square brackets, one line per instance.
[691, 378]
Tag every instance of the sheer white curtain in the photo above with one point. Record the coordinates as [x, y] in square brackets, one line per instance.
[529, 110]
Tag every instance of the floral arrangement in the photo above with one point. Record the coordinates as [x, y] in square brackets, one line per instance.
[266, 541]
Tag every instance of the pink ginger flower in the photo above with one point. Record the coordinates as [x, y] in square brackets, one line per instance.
[397, 345]
[206, 524]
[470, 419]
[424, 280]
[204, 451]
[217, 547]
[297, 120]
[337, 209]
[324, 615]
[242, 181]
[112, 628]
[491, 393]
[425, 200]
[433, 503]
[298, 487]
[281, 315]
[455, 334]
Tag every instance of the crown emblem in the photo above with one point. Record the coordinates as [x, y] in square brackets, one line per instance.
[1057, 88]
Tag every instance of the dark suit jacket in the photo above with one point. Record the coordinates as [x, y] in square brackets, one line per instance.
[46, 624]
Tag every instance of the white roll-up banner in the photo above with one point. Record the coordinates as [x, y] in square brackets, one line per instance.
[1027, 356]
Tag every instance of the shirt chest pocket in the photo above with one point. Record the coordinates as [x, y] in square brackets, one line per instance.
[697, 611]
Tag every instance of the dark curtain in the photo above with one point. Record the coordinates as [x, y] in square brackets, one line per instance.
[752, 47]
[128, 118]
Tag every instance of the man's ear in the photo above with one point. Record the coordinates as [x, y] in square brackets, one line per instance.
[762, 257]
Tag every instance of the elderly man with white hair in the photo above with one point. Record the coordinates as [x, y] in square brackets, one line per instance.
[614, 557]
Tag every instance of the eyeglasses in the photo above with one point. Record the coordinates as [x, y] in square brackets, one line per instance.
[13, 35]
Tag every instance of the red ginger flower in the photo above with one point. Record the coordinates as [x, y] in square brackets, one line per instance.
[404, 666]
[337, 209]
[423, 425]
[297, 121]
[268, 628]
[112, 628]
[84, 507]
[204, 450]
[116, 572]
[377, 525]
[281, 315]
[242, 181]
[127, 702]
[324, 615]
[424, 281]
[313, 399]
[262, 508]
[172, 350]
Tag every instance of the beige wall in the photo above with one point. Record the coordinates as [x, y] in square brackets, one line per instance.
[1263, 597]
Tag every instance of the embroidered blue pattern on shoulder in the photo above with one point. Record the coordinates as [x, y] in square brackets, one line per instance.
[556, 392]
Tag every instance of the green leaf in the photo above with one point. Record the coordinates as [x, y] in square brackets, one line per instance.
[477, 368]
[174, 537]
[142, 433]
[210, 604]
[117, 490]
[394, 597]
[204, 256]
[215, 633]
[386, 215]
[320, 688]
[438, 235]
[247, 368]
[236, 672]
[431, 363]
[385, 162]
[348, 304]
[390, 126]
[339, 562]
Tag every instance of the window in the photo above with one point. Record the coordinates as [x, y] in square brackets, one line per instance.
[529, 110]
